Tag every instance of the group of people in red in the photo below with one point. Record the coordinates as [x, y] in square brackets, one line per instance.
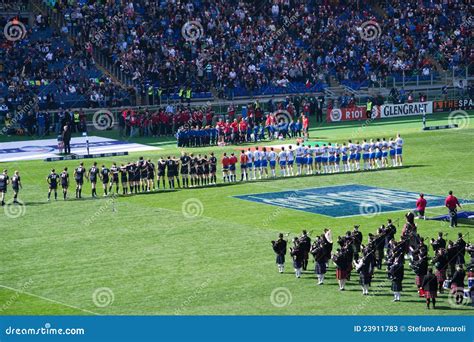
[164, 121]
[451, 202]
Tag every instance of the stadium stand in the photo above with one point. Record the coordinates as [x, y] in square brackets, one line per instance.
[94, 54]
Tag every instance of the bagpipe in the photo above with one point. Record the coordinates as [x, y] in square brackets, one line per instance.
[317, 251]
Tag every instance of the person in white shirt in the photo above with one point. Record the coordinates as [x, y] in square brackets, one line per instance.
[358, 149]
[384, 153]
[366, 154]
[282, 161]
[272, 157]
[264, 161]
[344, 157]
[325, 158]
[393, 147]
[398, 151]
[300, 150]
[309, 160]
[337, 157]
[317, 157]
[331, 159]
[290, 158]
[257, 166]
[250, 161]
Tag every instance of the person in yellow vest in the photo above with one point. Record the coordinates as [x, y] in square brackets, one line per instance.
[76, 120]
[188, 95]
[369, 109]
[257, 104]
[160, 91]
[181, 94]
[151, 91]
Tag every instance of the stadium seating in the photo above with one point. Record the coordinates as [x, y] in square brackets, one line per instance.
[272, 49]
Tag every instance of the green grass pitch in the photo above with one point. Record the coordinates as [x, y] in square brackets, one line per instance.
[139, 255]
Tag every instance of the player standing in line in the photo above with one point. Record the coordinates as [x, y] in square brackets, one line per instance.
[398, 152]
[206, 170]
[176, 170]
[272, 158]
[79, 177]
[318, 157]
[264, 162]
[232, 167]
[384, 153]
[344, 152]
[372, 150]
[123, 178]
[160, 174]
[324, 158]
[16, 185]
[213, 168]
[299, 158]
[352, 154]
[136, 177]
[225, 168]
[143, 174]
[200, 170]
[282, 161]
[331, 159]
[378, 154]
[358, 149]
[257, 164]
[290, 157]
[250, 163]
[150, 175]
[185, 169]
[308, 160]
[337, 158]
[104, 176]
[92, 177]
[194, 171]
[170, 172]
[366, 154]
[114, 179]
[130, 174]
[393, 148]
[64, 182]
[243, 166]
[52, 180]
[4, 181]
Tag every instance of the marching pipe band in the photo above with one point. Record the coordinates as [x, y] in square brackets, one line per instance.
[351, 254]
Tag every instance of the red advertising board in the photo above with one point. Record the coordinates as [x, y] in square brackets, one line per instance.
[349, 114]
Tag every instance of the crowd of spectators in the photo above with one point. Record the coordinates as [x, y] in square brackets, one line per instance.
[45, 66]
[235, 46]
[251, 44]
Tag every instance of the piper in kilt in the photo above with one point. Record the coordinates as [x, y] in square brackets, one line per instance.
[419, 266]
[363, 266]
[297, 255]
[430, 285]
[305, 245]
[341, 260]
[319, 253]
[279, 247]
[441, 263]
[397, 273]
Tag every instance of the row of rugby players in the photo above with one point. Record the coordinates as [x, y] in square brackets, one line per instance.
[317, 159]
[201, 170]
